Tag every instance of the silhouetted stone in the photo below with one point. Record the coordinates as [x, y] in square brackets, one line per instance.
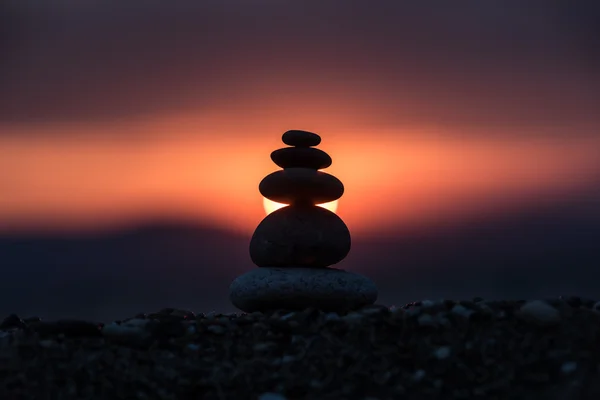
[295, 245]
[301, 138]
[300, 236]
[301, 157]
[301, 185]
[326, 289]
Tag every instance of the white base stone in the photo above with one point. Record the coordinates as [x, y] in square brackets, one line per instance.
[293, 288]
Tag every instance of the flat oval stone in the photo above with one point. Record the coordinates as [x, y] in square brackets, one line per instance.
[301, 138]
[325, 289]
[301, 157]
[300, 236]
[301, 185]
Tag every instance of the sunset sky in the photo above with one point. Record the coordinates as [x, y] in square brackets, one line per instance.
[116, 113]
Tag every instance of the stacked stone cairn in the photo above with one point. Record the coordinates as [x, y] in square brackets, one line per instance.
[295, 246]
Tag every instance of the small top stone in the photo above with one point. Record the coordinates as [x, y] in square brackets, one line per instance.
[301, 138]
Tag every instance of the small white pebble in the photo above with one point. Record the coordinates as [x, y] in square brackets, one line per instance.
[568, 367]
[539, 312]
[442, 352]
[271, 396]
[418, 375]
[462, 311]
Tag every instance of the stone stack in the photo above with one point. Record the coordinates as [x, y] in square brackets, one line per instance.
[295, 246]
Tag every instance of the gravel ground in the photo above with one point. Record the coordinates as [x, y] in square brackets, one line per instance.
[543, 349]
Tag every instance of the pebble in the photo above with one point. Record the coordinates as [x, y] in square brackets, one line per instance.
[426, 320]
[353, 317]
[427, 303]
[193, 346]
[332, 317]
[539, 312]
[301, 185]
[124, 332]
[568, 367]
[271, 396]
[301, 138]
[442, 352]
[462, 311]
[498, 357]
[419, 375]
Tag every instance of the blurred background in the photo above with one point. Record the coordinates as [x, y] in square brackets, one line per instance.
[133, 136]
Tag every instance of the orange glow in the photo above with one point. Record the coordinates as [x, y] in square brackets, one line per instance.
[271, 206]
[56, 177]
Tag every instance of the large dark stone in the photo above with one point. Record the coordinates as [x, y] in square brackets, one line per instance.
[301, 157]
[325, 289]
[300, 236]
[301, 185]
[301, 138]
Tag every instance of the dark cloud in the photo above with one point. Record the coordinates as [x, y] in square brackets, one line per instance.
[496, 62]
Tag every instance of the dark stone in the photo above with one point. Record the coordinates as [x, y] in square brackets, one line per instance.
[308, 290]
[13, 322]
[69, 328]
[301, 157]
[301, 185]
[298, 236]
[301, 138]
